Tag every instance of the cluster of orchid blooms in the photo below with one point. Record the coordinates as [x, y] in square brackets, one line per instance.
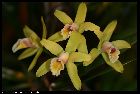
[66, 57]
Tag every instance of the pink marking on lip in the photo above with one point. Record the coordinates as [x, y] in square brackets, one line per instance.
[113, 50]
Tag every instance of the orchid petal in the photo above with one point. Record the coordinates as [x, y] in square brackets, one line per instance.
[63, 17]
[120, 44]
[73, 42]
[108, 31]
[53, 47]
[73, 74]
[83, 46]
[33, 63]
[81, 14]
[32, 35]
[29, 33]
[79, 57]
[44, 28]
[116, 65]
[92, 27]
[94, 54]
[56, 37]
[27, 53]
[44, 68]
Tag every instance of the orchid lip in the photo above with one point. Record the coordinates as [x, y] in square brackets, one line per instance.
[57, 64]
[23, 43]
[68, 29]
[113, 52]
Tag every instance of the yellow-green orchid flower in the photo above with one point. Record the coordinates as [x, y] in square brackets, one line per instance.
[109, 50]
[32, 43]
[67, 57]
[79, 25]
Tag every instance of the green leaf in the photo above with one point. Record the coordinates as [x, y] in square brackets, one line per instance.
[108, 31]
[79, 57]
[44, 68]
[53, 47]
[94, 54]
[33, 63]
[92, 27]
[73, 74]
[81, 14]
[27, 53]
[116, 65]
[63, 17]
[73, 42]
[29, 33]
[120, 44]
[56, 37]
[44, 28]
[83, 46]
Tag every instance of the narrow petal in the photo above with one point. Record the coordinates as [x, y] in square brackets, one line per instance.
[44, 68]
[83, 46]
[63, 17]
[120, 44]
[81, 14]
[32, 35]
[73, 42]
[27, 53]
[108, 31]
[53, 47]
[23, 43]
[73, 74]
[79, 57]
[29, 33]
[44, 28]
[56, 37]
[33, 63]
[94, 54]
[116, 65]
[91, 27]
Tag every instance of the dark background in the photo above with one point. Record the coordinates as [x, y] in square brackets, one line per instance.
[98, 76]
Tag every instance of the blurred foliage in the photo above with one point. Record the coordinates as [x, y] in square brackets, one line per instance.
[97, 76]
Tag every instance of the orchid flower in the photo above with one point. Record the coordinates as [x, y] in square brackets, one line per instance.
[67, 57]
[109, 50]
[32, 43]
[79, 25]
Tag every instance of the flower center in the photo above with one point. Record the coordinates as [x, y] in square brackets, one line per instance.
[68, 29]
[113, 53]
[57, 64]
[64, 57]
[113, 50]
